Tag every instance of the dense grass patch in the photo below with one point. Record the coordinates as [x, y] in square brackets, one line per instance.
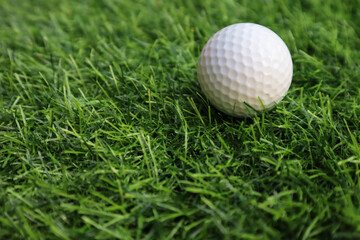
[104, 132]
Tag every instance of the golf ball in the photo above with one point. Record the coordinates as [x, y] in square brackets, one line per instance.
[245, 68]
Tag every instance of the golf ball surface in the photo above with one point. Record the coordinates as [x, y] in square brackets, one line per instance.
[245, 67]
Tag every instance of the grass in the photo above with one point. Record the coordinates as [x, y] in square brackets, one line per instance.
[105, 134]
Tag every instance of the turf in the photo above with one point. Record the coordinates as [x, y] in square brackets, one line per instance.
[104, 131]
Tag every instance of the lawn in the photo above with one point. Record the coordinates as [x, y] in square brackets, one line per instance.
[105, 133]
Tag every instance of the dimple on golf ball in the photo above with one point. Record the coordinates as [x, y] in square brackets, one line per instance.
[245, 68]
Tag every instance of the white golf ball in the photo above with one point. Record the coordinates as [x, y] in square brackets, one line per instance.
[245, 67]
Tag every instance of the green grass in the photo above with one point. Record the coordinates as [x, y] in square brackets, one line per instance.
[104, 132]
